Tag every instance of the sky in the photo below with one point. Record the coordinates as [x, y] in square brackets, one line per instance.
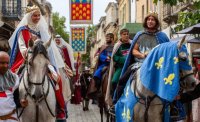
[62, 7]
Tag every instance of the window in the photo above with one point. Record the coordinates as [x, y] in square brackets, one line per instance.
[11, 9]
[147, 1]
[11, 6]
[151, 5]
[142, 12]
[124, 14]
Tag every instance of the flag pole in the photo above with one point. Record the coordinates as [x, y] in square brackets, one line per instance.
[77, 66]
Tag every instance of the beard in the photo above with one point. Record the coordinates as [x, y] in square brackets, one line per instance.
[109, 42]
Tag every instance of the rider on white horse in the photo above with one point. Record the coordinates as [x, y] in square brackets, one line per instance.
[142, 44]
[33, 26]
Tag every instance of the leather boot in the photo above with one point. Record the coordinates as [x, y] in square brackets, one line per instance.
[83, 102]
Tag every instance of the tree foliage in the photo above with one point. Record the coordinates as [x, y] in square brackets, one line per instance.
[91, 33]
[186, 18]
[189, 18]
[59, 26]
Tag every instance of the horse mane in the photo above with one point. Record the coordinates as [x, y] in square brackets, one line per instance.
[39, 49]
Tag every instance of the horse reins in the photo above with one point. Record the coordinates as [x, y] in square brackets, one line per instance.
[183, 85]
[183, 78]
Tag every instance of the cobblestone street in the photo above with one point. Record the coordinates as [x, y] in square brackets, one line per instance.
[76, 113]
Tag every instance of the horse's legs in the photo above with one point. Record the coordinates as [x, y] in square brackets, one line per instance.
[101, 112]
[101, 105]
[107, 116]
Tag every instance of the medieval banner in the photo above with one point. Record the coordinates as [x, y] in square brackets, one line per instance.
[78, 39]
[81, 11]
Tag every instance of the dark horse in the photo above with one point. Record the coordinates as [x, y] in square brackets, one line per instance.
[100, 96]
[101, 99]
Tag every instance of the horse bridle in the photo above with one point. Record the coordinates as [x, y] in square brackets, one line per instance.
[183, 84]
[37, 84]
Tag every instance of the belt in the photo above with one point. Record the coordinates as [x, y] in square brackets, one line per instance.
[9, 116]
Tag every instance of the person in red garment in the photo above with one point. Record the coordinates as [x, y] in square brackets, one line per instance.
[67, 54]
[76, 97]
[33, 26]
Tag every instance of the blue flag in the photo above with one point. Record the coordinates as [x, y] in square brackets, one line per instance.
[125, 105]
[160, 70]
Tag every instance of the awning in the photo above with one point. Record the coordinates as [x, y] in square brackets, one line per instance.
[194, 40]
[189, 39]
[195, 29]
[133, 28]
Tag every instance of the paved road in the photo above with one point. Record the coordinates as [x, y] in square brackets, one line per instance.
[76, 113]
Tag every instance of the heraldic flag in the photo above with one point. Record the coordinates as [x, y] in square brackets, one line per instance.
[78, 39]
[81, 11]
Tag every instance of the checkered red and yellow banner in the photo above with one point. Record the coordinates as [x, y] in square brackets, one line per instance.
[78, 39]
[81, 12]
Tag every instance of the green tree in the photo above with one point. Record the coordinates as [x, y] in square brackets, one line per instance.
[59, 26]
[189, 18]
[91, 33]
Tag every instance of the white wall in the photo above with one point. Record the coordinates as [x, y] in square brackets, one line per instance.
[111, 13]
[133, 11]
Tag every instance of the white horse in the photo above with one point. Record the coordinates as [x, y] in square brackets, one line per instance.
[37, 89]
[149, 107]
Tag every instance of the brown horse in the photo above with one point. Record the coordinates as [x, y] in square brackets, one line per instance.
[101, 99]
[100, 96]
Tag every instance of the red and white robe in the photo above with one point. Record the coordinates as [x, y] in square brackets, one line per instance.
[7, 104]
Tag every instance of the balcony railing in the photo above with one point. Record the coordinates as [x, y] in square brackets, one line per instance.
[170, 13]
[11, 9]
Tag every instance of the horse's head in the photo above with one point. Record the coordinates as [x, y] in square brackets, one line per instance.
[187, 79]
[37, 67]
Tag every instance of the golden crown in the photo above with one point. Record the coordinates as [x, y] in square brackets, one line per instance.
[153, 13]
[32, 8]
